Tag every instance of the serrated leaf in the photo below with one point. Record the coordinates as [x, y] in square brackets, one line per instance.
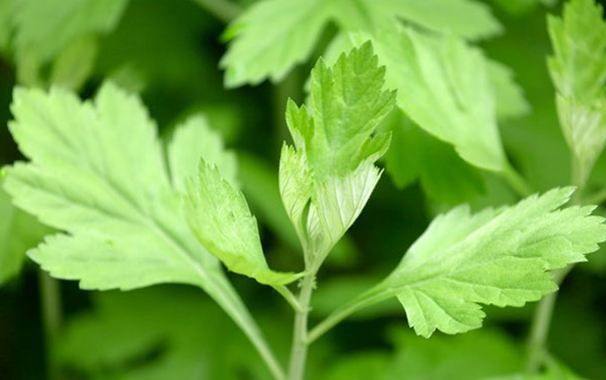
[219, 217]
[511, 102]
[194, 139]
[494, 257]
[443, 86]
[578, 71]
[326, 181]
[289, 29]
[97, 172]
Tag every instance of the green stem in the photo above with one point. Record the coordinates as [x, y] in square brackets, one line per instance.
[298, 355]
[345, 311]
[50, 303]
[516, 181]
[541, 321]
[289, 297]
[224, 10]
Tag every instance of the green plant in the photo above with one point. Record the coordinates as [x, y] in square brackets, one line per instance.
[123, 207]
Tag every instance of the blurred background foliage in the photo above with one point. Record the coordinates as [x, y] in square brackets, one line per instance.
[169, 52]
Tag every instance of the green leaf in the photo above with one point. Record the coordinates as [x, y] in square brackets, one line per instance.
[443, 86]
[415, 155]
[46, 27]
[194, 139]
[97, 173]
[578, 66]
[511, 102]
[495, 257]
[75, 63]
[220, 218]
[18, 233]
[326, 181]
[578, 71]
[274, 35]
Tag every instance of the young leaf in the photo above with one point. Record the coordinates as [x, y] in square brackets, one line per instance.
[578, 70]
[326, 181]
[192, 140]
[290, 29]
[97, 173]
[495, 257]
[219, 217]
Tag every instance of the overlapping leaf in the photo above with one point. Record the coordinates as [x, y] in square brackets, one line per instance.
[274, 35]
[326, 181]
[97, 172]
[219, 217]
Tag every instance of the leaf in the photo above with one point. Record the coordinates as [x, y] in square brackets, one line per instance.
[47, 36]
[511, 102]
[326, 180]
[415, 155]
[274, 35]
[97, 173]
[443, 86]
[578, 71]
[194, 139]
[75, 63]
[154, 333]
[578, 66]
[219, 217]
[495, 257]
[18, 233]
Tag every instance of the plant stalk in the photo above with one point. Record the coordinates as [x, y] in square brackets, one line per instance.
[516, 181]
[298, 356]
[50, 303]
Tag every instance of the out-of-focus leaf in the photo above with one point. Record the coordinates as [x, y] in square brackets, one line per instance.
[75, 63]
[18, 233]
[415, 155]
[511, 102]
[473, 356]
[274, 35]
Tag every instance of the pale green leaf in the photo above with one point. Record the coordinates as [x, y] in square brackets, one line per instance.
[578, 70]
[494, 257]
[195, 139]
[578, 66]
[326, 181]
[511, 102]
[97, 172]
[219, 217]
[274, 35]
[443, 86]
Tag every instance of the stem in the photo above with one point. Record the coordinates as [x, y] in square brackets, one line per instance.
[50, 303]
[343, 312]
[516, 181]
[289, 297]
[541, 322]
[224, 10]
[298, 354]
